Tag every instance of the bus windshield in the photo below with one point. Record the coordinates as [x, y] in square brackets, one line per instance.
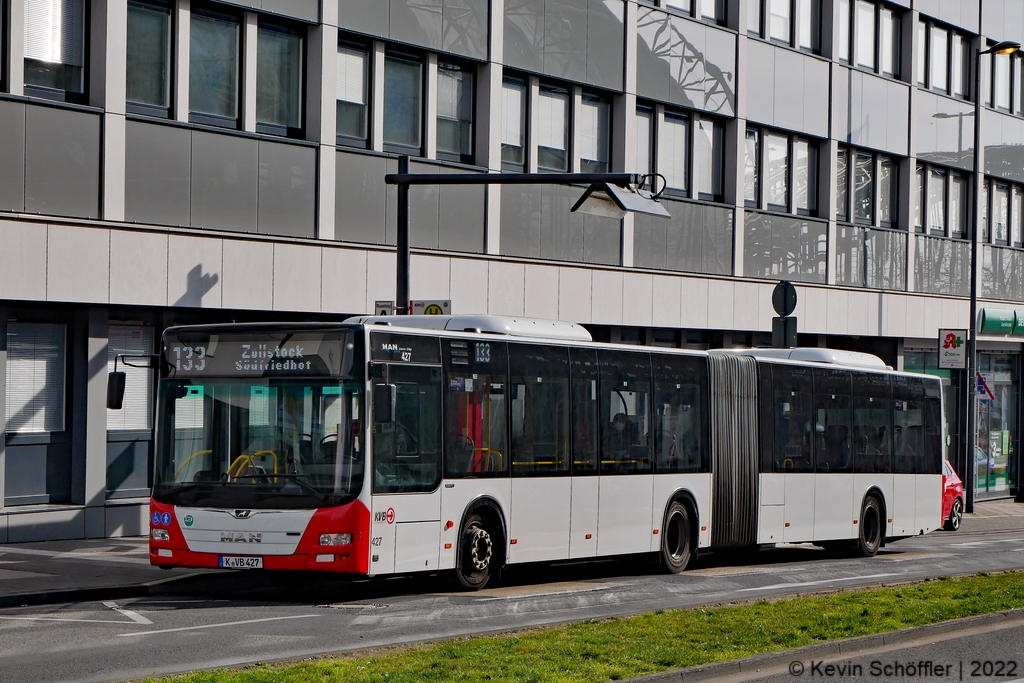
[258, 443]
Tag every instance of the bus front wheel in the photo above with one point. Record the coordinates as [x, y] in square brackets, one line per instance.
[476, 553]
[870, 537]
[675, 541]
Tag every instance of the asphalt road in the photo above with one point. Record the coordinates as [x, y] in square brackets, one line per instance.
[243, 617]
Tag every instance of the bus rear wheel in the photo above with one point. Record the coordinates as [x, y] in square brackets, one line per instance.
[870, 537]
[675, 541]
[476, 553]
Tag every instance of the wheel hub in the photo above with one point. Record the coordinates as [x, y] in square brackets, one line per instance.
[480, 549]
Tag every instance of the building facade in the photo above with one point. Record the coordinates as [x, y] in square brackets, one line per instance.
[179, 161]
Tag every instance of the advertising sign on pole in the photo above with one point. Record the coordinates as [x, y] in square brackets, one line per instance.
[952, 349]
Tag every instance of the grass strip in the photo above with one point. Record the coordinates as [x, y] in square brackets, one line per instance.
[614, 649]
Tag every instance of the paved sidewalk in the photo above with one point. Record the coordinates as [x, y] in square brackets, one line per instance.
[58, 571]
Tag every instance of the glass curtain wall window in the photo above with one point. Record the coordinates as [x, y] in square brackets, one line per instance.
[595, 128]
[55, 43]
[1001, 81]
[279, 74]
[805, 177]
[1001, 214]
[808, 15]
[352, 87]
[777, 171]
[939, 42]
[213, 69]
[754, 18]
[644, 140]
[942, 56]
[751, 164]
[874, 181]
[871, 32]
[709, 149]
[403, 104]
[454, 112]
[780, 20]
[148, 77]
[553, 129]
[1017, 216]
[513, 123]
[940, 201]
[35, 378]
[782, 17]
[673, 154]
[713, 10]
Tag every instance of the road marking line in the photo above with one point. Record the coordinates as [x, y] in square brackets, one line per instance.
[134, 616]
[84, 621]
[814, 583]
[230, 623]
[92, 557]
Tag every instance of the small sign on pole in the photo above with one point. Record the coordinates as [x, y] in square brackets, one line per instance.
[952, 349]
[383, 307]
[431, 307]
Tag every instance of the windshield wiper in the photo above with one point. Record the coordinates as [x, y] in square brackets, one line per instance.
[297, 478]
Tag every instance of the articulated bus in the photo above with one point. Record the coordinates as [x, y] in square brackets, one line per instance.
[387, 445]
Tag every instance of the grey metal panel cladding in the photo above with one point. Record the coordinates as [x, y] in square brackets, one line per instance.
[460, 223]
[789, 90]
[602, 240]
[759, 83]
[685, 57]
[287, 190]
[948, 140]
[841, 102]
[652, 45]
[561, 232]
[62, 168]
[734, 449]
[307, 10]
[12, 152]
[128, 467]
[364, 16]
[520, 220]
[464, 27]
[716, 245]
[605, 43]
[757, 245]
[423, 210]
[360, 198]
[225, 179]
[524, 34]
[157, 173]
[816, 97]
[565, 39]
[417, 22]
[650, 240]
[719, 71]
[1005, 158]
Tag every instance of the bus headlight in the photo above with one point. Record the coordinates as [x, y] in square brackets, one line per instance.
[335, 539]
[159, 534]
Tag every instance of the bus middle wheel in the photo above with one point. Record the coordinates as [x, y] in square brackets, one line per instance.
[477, 553]
[870, 536]
[675, 541]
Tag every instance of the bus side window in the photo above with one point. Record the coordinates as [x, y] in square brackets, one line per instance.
[539, 402]
[934, 448]
[832, 420]
[625, 412]
[794, 419]
[765, 416]
[909, 442]
[583, 366]
[872, 423]
[475, 410]
[680, 419]
[407, 452]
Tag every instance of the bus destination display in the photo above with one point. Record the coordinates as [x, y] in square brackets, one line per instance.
[302, 355]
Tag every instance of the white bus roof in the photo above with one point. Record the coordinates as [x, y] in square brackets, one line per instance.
[492, 324]
[809, 354]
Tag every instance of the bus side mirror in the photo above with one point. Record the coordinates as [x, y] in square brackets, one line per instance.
[384, 400]
[115, 390]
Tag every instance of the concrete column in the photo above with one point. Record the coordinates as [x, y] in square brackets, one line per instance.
[110, 54]
[377, 97]
[3, 414]
[96, 424]
[182, 46]
[489, 117]
[430, 110]
[533, 93]
[321, 116]
[250, 32]
[575, 114]
[15, 61]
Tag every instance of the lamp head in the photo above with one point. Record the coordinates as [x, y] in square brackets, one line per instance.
[612, 201]
[1005, 47]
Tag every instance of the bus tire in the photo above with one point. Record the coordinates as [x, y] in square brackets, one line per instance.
[675, 540]
[869, 538]
[477, 553]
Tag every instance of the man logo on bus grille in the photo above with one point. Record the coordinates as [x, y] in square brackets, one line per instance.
[239, 537]
[241, 514]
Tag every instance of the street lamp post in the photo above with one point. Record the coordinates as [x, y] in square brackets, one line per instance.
[612, 195]
[1002, 48]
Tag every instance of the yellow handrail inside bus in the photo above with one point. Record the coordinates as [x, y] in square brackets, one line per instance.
[235, 467]
[189, 459]
[490, 451]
